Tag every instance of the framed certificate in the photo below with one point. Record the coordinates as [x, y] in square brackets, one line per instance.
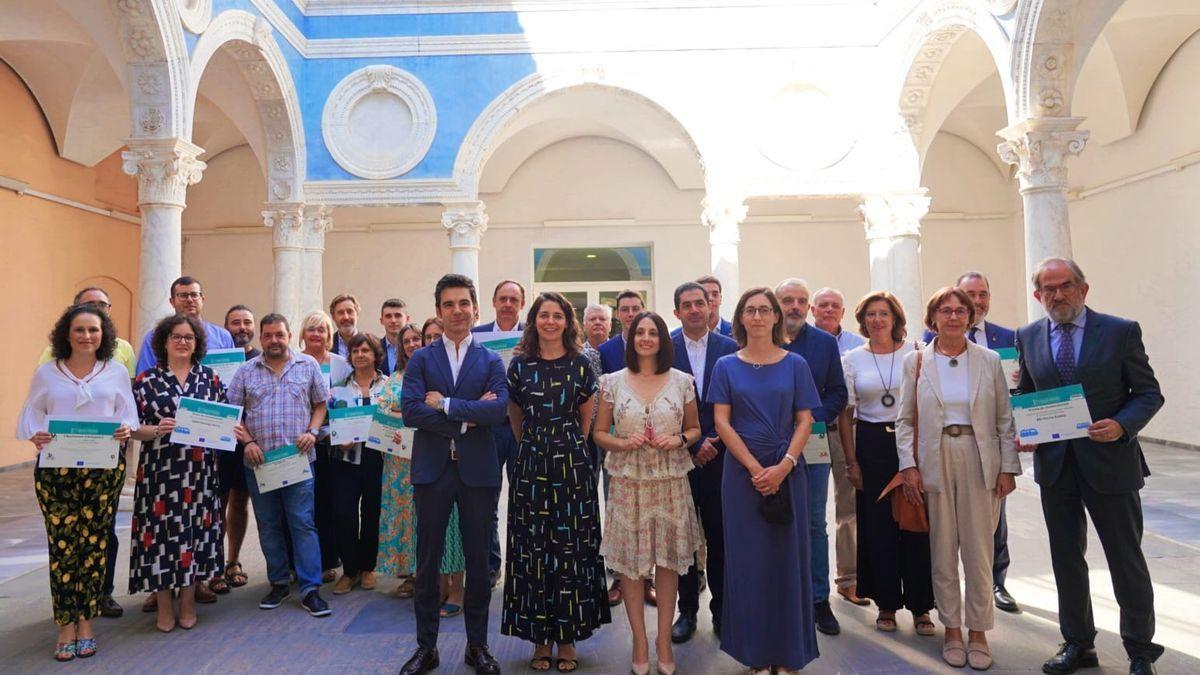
[81, 443]
[282, 467]
[383, 429]
[206, 424]
[816, 450]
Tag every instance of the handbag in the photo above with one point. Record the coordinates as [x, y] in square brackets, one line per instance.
[777, 508]
[910, 517]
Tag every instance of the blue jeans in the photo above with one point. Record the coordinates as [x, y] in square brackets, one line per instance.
[818, 493]
[288, 507]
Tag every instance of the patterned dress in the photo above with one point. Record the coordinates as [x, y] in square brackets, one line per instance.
[554, 587]
[650, 518]
[177, 529]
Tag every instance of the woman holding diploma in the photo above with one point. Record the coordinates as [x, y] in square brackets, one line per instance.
[651, 528]
[78, 504]
[176, 530]
[358, 471]
[954, 407]
[397, 541]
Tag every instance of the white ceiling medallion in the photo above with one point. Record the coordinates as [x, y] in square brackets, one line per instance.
[802, 129]
[379, 122]
[195, 14]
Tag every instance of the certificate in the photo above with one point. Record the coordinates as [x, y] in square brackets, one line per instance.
[816, 450]
[81, 443]
[383, 428]
[206, 424]
[225, 362]
[1011, 365]
[350, 424]
[328, 374]
[503, 343]
[1051, 415]
[282, 467]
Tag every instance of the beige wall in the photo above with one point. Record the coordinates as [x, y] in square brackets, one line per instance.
[51, 250]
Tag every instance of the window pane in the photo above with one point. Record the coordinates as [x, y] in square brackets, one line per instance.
[566, 265]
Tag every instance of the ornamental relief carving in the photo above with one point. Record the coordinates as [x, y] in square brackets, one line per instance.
[196, 14]
[379, 122]
[164, 169]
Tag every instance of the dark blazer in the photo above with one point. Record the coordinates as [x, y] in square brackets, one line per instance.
[429, 370]
[612, 354]
[725, 328]
[820, 350]
[491, 326]
[718, 346]
[1118, 383]
[998, 337]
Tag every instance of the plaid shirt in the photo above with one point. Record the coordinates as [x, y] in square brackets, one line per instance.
[278, 409]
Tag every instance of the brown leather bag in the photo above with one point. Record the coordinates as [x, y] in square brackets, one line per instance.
[910, 517]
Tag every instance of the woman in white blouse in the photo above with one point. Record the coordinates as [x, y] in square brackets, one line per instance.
[82, 381]
[966, 463]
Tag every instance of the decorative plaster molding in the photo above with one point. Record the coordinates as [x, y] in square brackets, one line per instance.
[361, 7]
[1001, 7]
[723, 216]
[195, 14]
[351, 142]
[1039, 147]
[152, 43]
[318, 219]
[1043, 52]
[164, 167]
[894, 215]
[465, 224]
[387, 192]
[285, 221]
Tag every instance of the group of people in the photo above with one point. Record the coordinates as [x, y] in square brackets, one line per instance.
[714, 446]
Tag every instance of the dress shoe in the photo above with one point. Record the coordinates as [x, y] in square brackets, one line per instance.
[614, 594]
[651, 594]
[422, 661]
[482, 660]
[1140, 665]
[109, 608]
[827, 623]
[1071, 657]
[684, 628]
[850, 593]
[1004, 601]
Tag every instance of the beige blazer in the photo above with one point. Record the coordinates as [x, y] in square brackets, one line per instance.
[991, 416]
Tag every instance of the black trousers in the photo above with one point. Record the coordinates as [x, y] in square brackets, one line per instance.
[894, 567]
[1000, 558]
[706, 492]
[357, 491]
[1118, 522]
[323, 507]
[433, 503]
[110, 560]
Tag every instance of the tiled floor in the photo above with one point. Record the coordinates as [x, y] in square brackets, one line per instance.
[370, 632]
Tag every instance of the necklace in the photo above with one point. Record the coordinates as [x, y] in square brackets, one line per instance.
[953, 358]
[888, 400]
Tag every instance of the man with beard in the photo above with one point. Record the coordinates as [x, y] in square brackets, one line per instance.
[186, 298]
[1101, 473]
[235, 497]
[344, 309]
[820, 349]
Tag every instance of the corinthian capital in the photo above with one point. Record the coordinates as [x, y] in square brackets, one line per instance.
[286, 220]
[465, 224]
[1039, 147]
[164, 167]
[722, 216]
[893, 215]
[317, 220]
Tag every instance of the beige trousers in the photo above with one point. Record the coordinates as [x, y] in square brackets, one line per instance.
[846, 549]
[962, 520]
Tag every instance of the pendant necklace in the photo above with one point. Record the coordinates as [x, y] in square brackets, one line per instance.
[888, 400]
[953, 359]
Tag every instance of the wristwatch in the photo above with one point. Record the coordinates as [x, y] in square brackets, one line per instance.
[316, 433]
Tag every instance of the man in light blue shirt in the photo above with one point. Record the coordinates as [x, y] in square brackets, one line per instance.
[188, 299]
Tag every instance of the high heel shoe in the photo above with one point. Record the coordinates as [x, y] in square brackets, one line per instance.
[664, 669]
[640, 668]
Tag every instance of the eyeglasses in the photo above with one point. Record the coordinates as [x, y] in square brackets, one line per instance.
[947, 312]
[190, 295]
[100, 304]
[183, 339]
[751, 312]
[1065, 288]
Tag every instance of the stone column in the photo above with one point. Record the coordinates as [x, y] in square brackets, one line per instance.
[286, 221]
[318, 220]
[164, 167]
[723, 218]
[893, 229]
[465, 224]
[1039, 147]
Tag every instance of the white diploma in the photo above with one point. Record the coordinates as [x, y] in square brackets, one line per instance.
[1051, 415]
[351, 424]
[225, 362]
[816, 450]
[503, 343]
[282, 467]
[383, 430]
[1011, 364]
[206, 424]
[81, 443]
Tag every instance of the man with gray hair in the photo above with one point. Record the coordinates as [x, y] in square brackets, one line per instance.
[1101, 473]
[828, 306]
[597, 323]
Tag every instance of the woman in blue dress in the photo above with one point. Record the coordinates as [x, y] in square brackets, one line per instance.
[762, 397]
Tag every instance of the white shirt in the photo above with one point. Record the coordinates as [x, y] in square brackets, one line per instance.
[697, 353]
[956, 392]
[456, 354]
[980, 338]
[870, 376]
[104, 392]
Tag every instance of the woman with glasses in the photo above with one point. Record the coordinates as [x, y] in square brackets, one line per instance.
[955, 396]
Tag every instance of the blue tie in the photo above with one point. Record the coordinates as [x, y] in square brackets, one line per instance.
[1064, 360]
[974, 331]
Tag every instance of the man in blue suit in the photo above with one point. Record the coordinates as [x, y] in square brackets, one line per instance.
[715, 322]
[987, 334]
[454, 392]
[1102, 472]
[820, 350]
[508, 299]
[696, 352]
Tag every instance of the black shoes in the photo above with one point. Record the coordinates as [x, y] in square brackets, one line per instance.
[481, 660]
[315, 604]
[422, 661]
[1004, 601]
[684, 628]
[276, 597]
[110, 609]
[827, 623]
[1140, 665]
[1071, 657]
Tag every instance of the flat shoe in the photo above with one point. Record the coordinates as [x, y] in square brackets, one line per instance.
[85, 647]
[851, 595]
[979, 656]
[924, 626]
[450, 610]
[540, 663]
[566, 665]
[64, 651]
[886, 624]
[954, 653]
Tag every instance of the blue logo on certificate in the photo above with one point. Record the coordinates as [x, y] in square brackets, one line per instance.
[183, 430]
[1026, 433]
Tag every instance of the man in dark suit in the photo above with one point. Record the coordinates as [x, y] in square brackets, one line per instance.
[987, 334]
[454, 392]
[820, 350]
[715, 322]
[696, 352]
[508, 299]
[344, 310]
[1101, 473]
[393, 316]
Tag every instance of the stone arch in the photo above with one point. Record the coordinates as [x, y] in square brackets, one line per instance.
[151, 35]
[248, 40]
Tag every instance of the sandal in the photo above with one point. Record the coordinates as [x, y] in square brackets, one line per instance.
[924, 625]
[406, 589]
[218, 585]
[204, 596]
[887, 624]
[566, 665]
[540, 663]
[65, 651]
[450, 609]
[85, 647]
[234, 575]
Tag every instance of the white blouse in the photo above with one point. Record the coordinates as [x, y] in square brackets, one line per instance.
[956, 393]
[869, 377]
[104, 392]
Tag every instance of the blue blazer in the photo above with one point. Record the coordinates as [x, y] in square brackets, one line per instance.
[998, 337]
[718, 346]
[429, 370]
[491, 327]
[612, 354]
[1118, 383]
[820, 350]
[725, 328]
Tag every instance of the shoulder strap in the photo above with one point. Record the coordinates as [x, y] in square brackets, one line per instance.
[916, 400]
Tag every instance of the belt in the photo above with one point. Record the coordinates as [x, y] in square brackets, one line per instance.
[956, 430]
[453, 451]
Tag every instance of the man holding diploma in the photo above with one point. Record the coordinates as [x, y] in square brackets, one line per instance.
[1102, 472]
